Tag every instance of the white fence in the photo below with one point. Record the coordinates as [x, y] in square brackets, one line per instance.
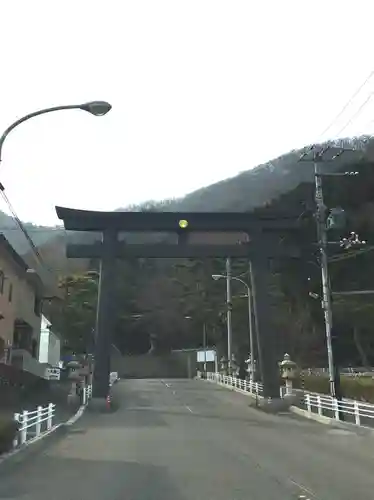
[347, 410]
[33, 423]
[245, 385]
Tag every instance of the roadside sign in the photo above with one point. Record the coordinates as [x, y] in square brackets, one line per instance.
[206, 356]
[52, 373]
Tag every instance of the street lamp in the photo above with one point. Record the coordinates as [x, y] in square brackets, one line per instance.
[217, 277]
[96, 108]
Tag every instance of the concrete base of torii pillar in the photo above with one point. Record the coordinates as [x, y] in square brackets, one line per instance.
[276, 405]
[99, 405]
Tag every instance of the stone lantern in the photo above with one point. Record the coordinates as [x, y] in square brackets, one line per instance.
[234, 366]
[251, 370]
[74, 374]
[223, 365]
[288, 372]
[74, 370]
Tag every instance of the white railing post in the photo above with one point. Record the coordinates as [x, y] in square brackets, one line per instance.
[356, 408]
[23, 431]
[308, 405]
[335, 405]
[319, 405]
[84, 398]
[16, 419]
[50, 416]
[38, 423]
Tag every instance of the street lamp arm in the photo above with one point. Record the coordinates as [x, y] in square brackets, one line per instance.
[235, 278]
[96, 108]
[32, 115]
[241, 281]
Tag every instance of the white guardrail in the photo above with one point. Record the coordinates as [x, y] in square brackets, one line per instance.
[244, 385]
[327, 406]
[34, 423]
[352, 411]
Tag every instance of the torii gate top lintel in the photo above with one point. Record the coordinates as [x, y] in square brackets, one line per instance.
[87, 220]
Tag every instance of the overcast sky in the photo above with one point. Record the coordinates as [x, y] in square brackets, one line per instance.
[201, 90]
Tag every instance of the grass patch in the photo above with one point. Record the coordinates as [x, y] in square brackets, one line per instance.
[359, 388]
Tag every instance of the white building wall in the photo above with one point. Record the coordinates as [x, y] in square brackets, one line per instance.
[54, 350]
[50, 345]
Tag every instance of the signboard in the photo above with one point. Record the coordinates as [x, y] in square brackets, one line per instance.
[206, 356]
[52, 373]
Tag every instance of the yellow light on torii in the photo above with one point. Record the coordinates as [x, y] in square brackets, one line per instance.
[183, 223]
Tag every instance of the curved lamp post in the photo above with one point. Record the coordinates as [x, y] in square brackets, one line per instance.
[217, 277]
[96, 108]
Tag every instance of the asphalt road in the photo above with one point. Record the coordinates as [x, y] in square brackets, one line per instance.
[193, 440]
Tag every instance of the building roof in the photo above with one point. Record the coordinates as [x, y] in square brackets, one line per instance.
[30, 275]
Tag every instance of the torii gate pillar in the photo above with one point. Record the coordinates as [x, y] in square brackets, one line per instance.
[105, 320]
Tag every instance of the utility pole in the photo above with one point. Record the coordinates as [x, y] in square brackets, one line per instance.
[326, 287]
[229, 312]
[204, 344]
[250, 326]
[336, 219]
[257, 331]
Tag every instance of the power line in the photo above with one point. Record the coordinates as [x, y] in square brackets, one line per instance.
[348, 103]
[351, 255]
[22, 227]
[341, 112]
[35, 251]
[358, 112]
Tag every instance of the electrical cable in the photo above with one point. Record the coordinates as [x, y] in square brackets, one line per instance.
[43, 267]
[348, 103]
[341, 112]
[358, 112]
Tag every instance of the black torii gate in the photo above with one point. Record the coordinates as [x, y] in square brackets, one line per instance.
[261, 243]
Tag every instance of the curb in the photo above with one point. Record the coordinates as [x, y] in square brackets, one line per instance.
[37, 443]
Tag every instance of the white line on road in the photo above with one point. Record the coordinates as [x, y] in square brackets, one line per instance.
[188, 408]
[309, 493]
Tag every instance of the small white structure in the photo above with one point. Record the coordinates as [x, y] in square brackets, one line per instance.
[50, 345]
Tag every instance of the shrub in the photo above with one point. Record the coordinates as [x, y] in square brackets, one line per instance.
[8, 432]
